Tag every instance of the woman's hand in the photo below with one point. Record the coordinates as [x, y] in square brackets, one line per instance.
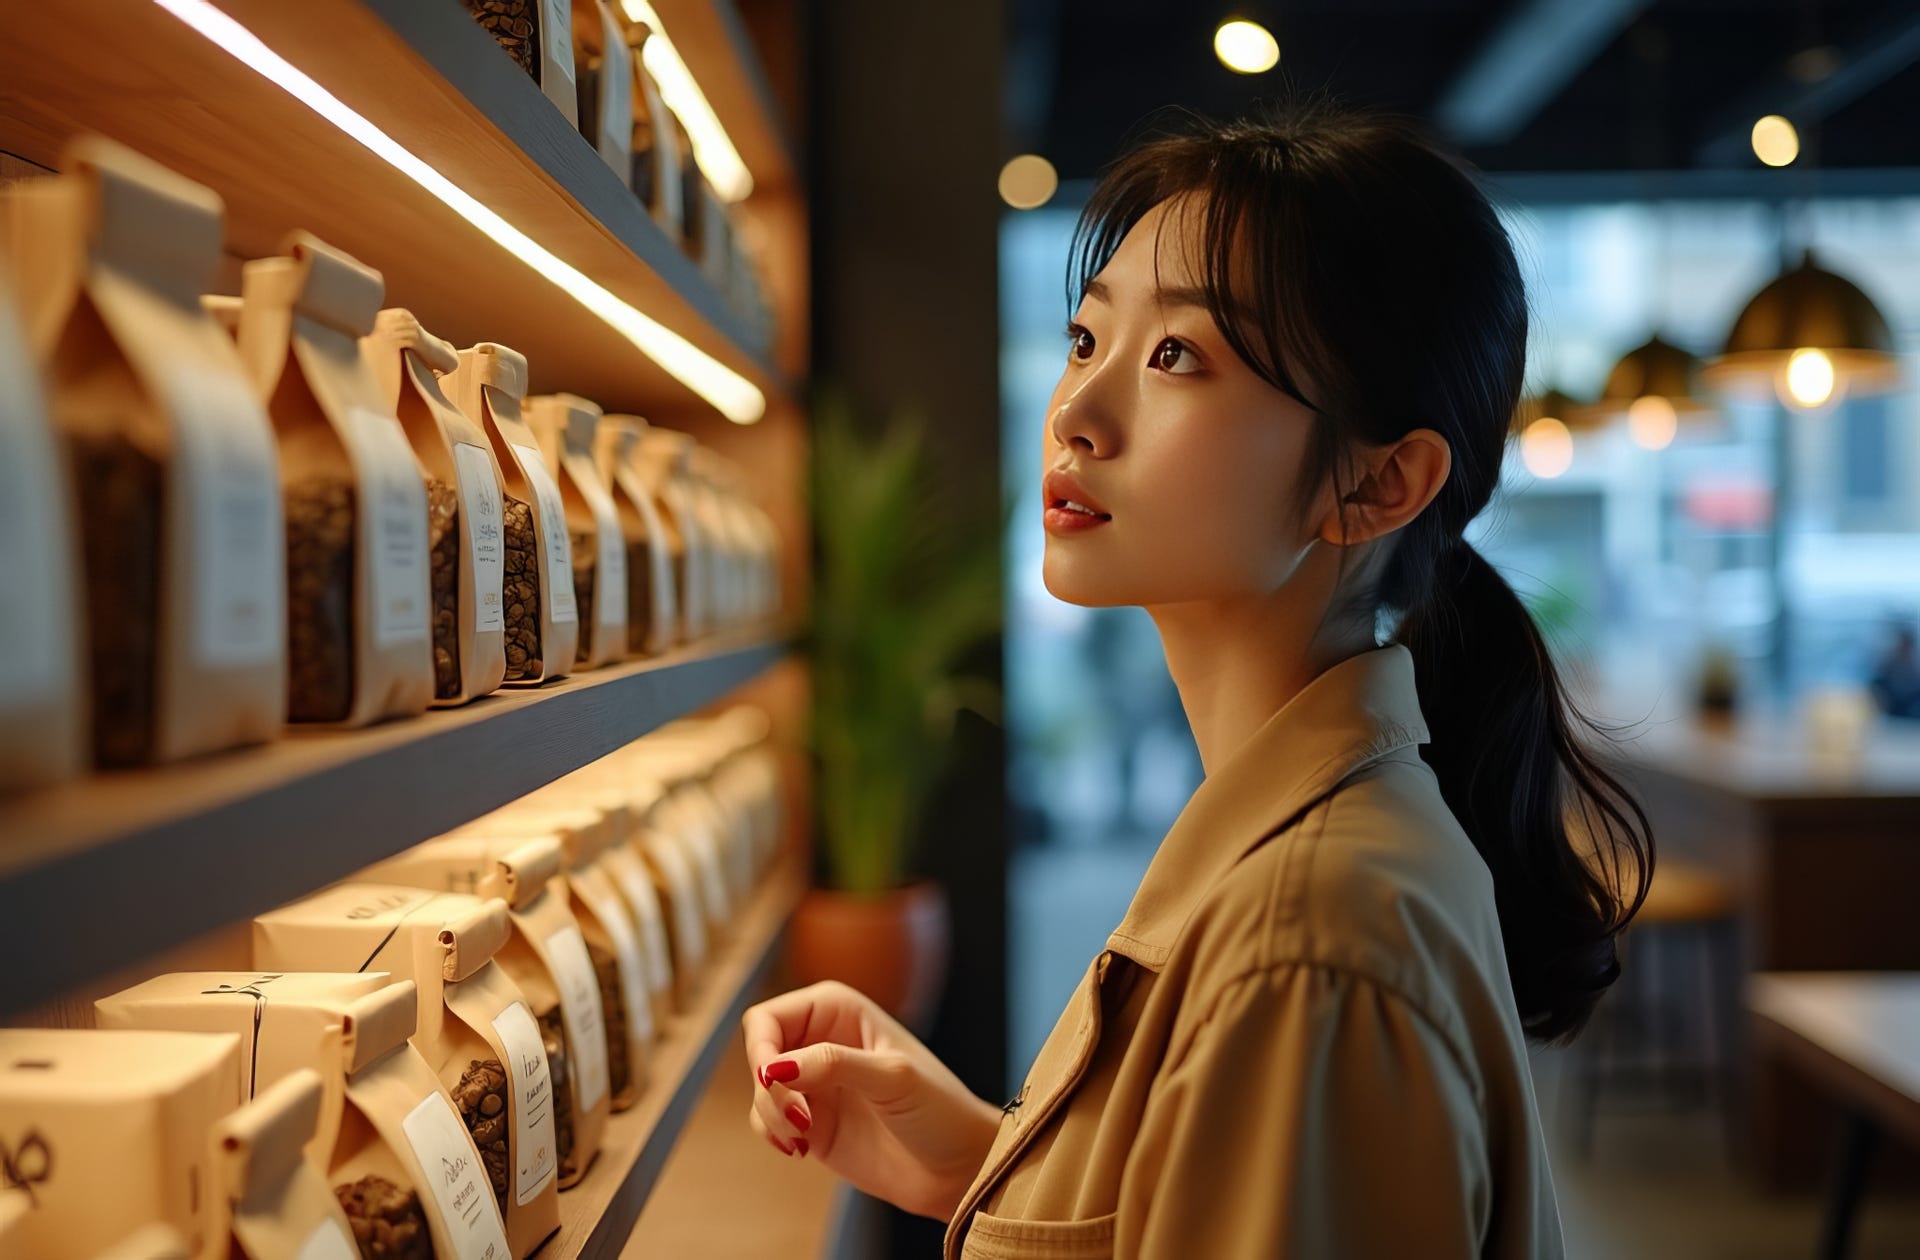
[838, 1078]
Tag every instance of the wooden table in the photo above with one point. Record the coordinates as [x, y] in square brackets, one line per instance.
[1856, 1036]
[1822, 852]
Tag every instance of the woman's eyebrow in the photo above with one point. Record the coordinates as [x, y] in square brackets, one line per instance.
[1180, 295]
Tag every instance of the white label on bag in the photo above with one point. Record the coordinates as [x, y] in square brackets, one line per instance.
[328, 1242]
[480, 501]
[393, 503]
[553, 527]
[580, 1009]
[689, 926]
[606, 907]
[238, 543]
[637, 886]
[610, 554]
[616, 104]
[454, 1178]
[559, 24]
[33, 560]
[535, 1153]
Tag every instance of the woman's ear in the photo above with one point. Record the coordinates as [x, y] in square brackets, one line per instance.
[1396, 484]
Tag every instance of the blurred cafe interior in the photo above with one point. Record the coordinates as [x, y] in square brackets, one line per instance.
[1711, 500]
[753, 308]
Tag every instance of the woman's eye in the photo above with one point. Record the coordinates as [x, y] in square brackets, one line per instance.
[1172, 357]
[1079, 342]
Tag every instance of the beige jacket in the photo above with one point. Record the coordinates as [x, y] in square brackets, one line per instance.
[1301, 1040]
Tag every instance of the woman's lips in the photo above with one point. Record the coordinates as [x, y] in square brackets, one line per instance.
[1068, 517]
[1069, 508]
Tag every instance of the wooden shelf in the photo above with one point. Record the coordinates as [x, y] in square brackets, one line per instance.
[119, 866]
[597, 1215]
[428, 76]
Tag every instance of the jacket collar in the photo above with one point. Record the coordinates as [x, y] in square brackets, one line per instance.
[1355, 712]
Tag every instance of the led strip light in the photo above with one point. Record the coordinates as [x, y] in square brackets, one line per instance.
[713, 149]
[730, 393]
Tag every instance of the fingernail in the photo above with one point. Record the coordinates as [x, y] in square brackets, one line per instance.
[760, 1074]
[780, 1146]
[780, 1070]
[798, 1117]
[800, 1144]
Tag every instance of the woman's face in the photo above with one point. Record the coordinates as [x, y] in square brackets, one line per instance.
[1188, 458]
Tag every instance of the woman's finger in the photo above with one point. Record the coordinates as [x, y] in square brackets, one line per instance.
[878, 1076]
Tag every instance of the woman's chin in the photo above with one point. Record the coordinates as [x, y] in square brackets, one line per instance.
[1070, 587]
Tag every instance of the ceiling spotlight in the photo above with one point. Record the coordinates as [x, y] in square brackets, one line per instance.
[1028, 182]
[1775, 142]
[1246, 47]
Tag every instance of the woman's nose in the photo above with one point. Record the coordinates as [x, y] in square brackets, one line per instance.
[1080, 421]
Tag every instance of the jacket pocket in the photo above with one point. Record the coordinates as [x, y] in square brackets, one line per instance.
[992, 1238]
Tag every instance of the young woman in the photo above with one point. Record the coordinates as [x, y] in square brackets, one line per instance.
[1296, 348]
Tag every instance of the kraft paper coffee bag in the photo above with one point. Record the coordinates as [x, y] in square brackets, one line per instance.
[651, 606]
[662, 461]
[43, 697]
[359, 627]
[656, 157]
[603, 64]
[585, 791]
[542, 619]
[285, 1023]
[277, 1198]
[76, 1103]
[473, 1026]
[613, 937]
[548, 960]
[565, 426]
[464, 503]
[170, 457]
[401, 1157]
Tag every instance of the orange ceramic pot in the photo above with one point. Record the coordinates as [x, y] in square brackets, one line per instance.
[891, 946]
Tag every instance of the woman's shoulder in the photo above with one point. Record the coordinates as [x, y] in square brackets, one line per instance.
[1375, 882]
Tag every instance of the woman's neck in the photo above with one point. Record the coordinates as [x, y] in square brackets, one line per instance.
[1237, 662]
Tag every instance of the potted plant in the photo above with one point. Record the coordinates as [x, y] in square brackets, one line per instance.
[906, 584]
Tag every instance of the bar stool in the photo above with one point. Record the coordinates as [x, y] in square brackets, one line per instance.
[1666, 1025]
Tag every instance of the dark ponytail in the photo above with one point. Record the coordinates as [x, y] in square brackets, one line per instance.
[1363, 273]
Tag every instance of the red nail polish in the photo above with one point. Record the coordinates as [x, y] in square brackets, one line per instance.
[800, 1144]
[760, 1074]
[780, 1070]
[780, 1146]
[800, 1119]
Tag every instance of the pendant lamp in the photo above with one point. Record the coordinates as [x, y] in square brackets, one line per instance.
[1653, 387]
[1545, 424]
[1810, 335]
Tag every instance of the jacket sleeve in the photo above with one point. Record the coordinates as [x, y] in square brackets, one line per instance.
[1314, 1114]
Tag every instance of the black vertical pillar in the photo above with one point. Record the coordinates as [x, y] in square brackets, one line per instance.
[905, 148]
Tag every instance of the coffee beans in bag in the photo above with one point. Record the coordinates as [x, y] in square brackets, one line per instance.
[542, 616]
[565, 426]
[465, 532]
[107, 1134]
[538, 35]
[359, 626]
[170, 458]
[651, 607]
[43, 700]
[473, 1025]
[547, 958]
[276, 1197]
